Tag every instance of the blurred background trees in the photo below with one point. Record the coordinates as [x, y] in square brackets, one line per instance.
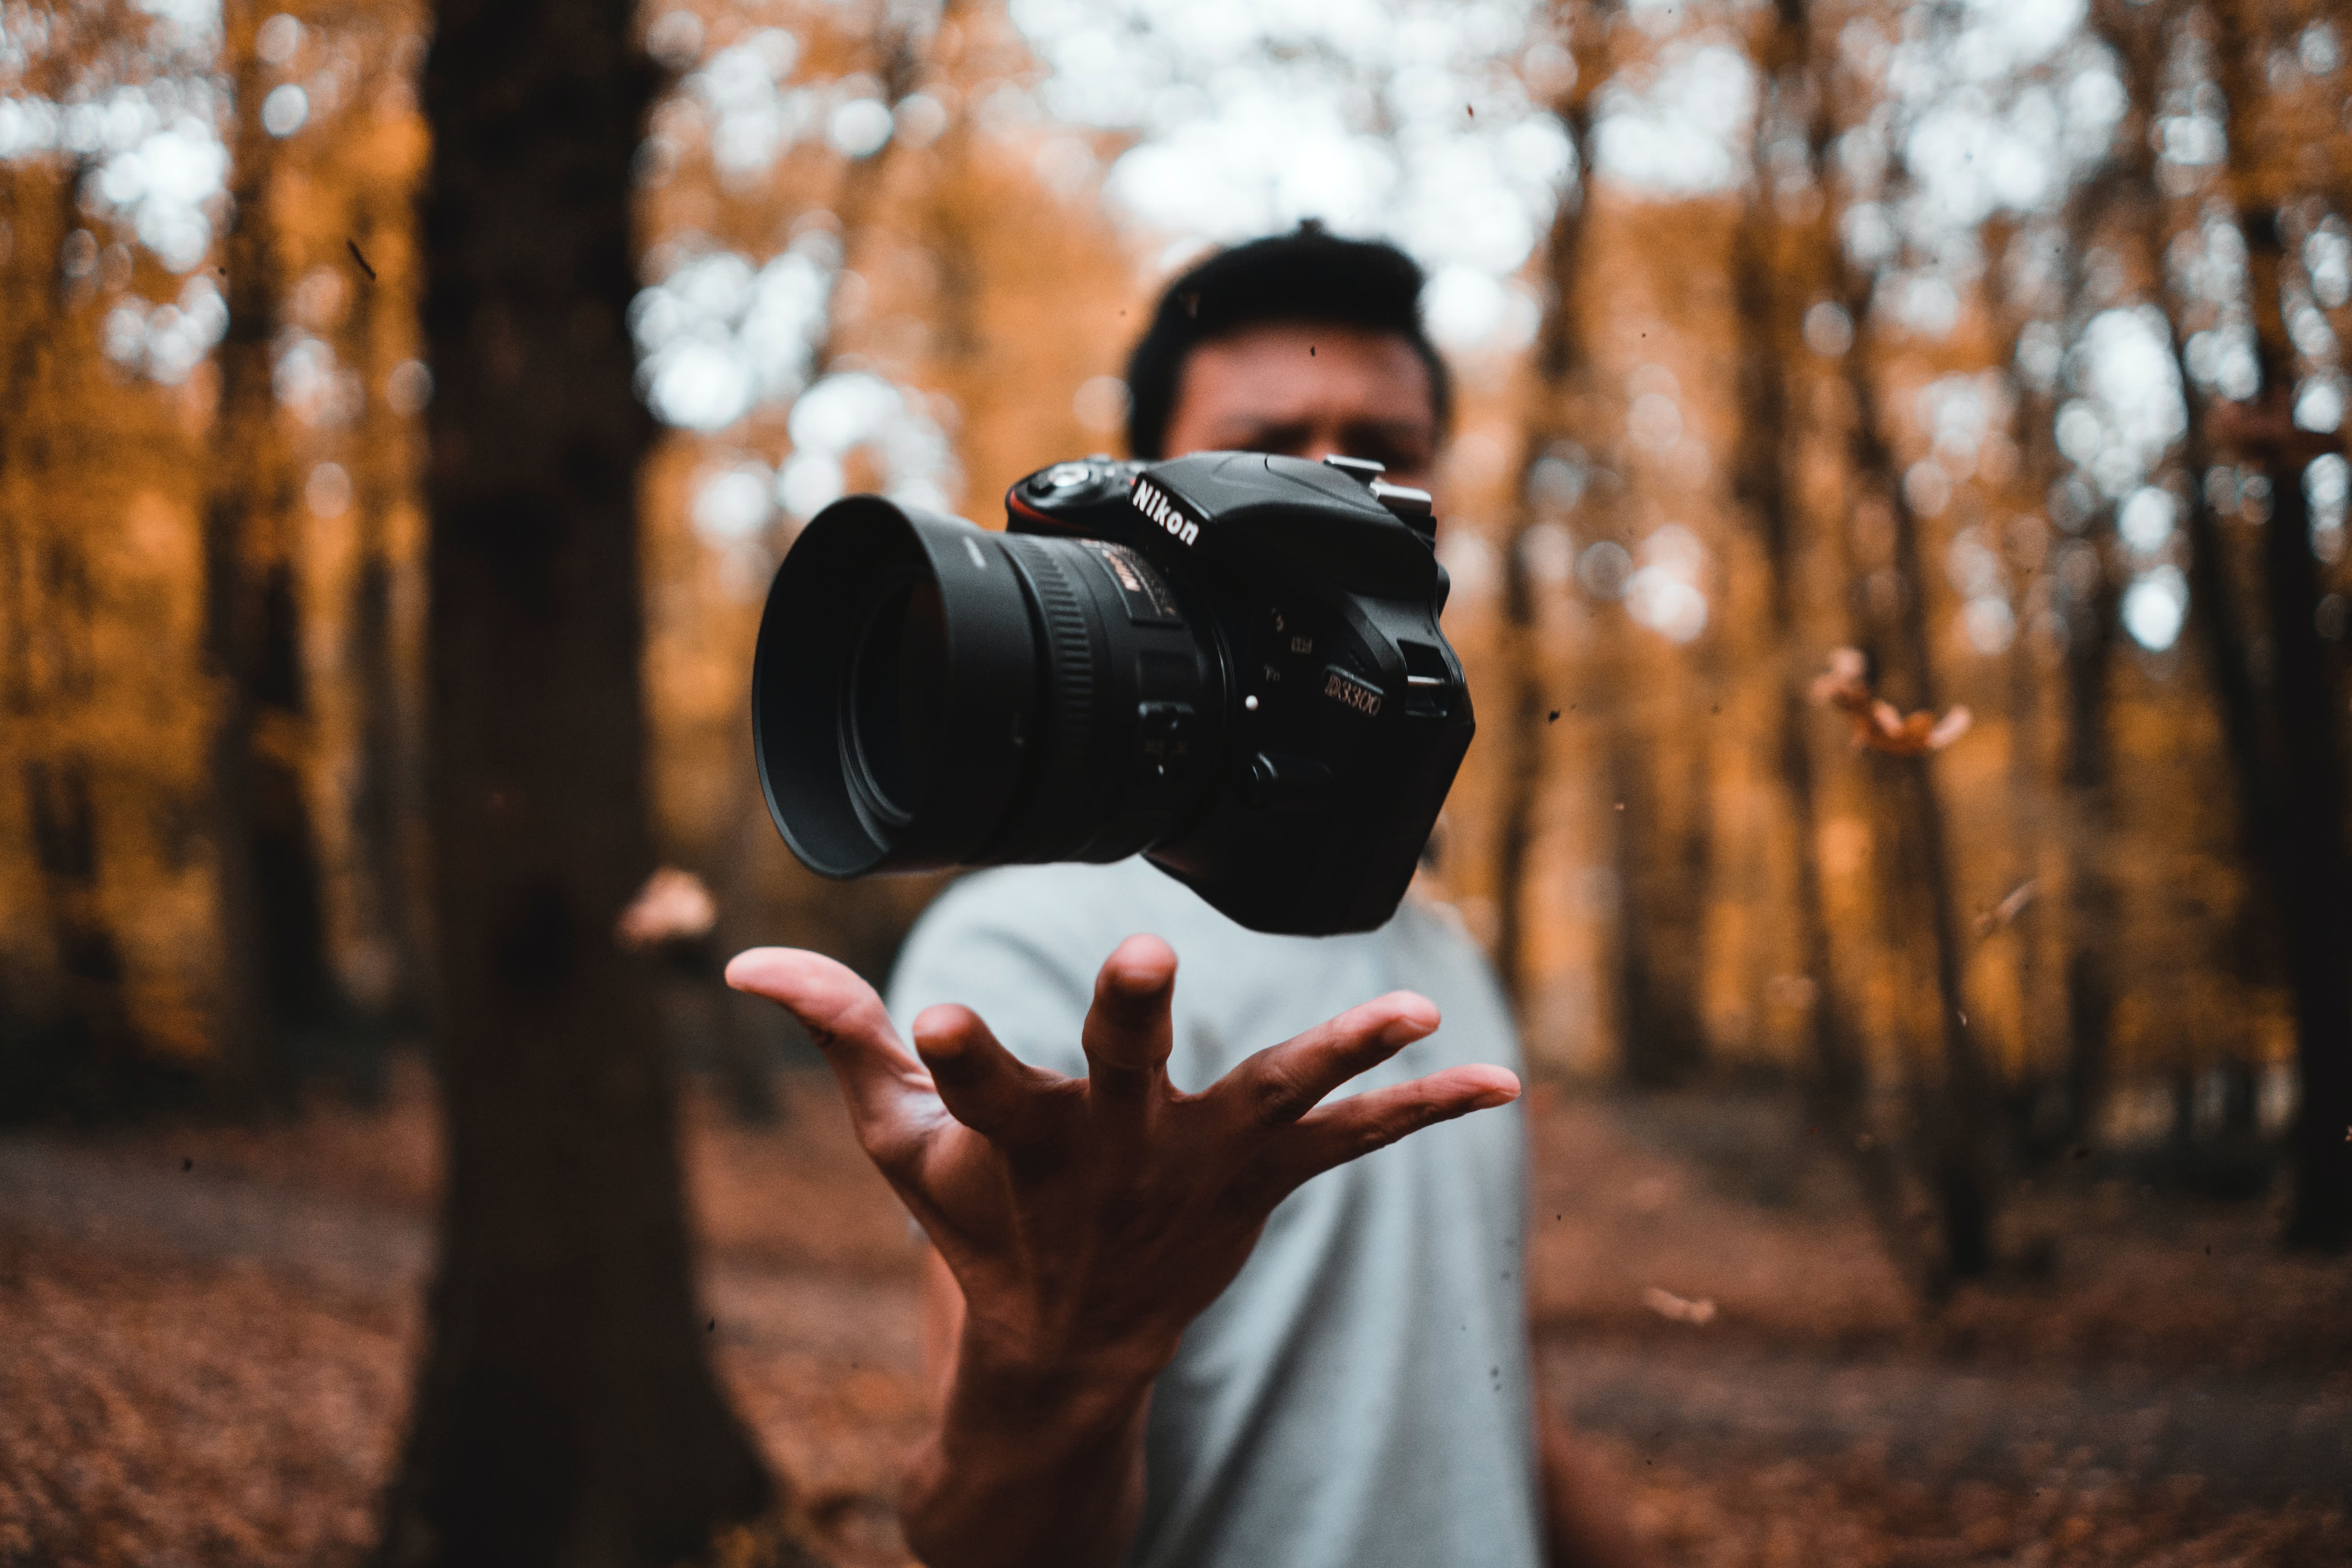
[1997, 342]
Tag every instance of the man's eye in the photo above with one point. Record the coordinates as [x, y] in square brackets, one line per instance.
[1397, 457]
[1283, 440]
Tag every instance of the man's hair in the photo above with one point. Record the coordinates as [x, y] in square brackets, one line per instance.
[1307, 276]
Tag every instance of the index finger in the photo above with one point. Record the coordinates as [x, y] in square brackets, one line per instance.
[1284, 1082]
[1351, 1128]
[890, 1094]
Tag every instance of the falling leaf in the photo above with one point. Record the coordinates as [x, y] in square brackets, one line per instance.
[2009, 909]
[673, 906]
[1667, 1304]
[1879, 725]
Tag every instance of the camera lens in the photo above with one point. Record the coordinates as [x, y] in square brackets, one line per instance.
[928, 694]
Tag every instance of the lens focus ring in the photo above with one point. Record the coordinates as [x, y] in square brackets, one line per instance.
[1070, 683]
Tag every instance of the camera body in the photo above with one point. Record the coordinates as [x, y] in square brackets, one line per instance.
[1345, 716]
[1229, 662]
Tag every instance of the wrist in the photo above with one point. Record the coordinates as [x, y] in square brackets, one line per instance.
[1034, 1384]
[1033, 1347]
[1035, 1458]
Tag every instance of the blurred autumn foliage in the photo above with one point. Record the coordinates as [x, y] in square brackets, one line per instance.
[1896, 520]
[2049, 478]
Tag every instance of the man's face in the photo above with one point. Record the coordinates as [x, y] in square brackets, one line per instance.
[1309, 391]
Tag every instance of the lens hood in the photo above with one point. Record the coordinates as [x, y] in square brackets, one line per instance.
[893, 690]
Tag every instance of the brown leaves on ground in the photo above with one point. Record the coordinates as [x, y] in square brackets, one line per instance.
[1879, 726]
[210, 1366]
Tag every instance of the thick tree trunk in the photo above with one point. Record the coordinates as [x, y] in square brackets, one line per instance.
[566, 1411]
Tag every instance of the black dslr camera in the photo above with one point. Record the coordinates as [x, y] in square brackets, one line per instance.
[1229, 662]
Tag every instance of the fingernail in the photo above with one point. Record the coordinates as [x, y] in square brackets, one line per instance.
[1137, 982]
[1493, 1098]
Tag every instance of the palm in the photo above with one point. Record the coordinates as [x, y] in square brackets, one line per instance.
[1108, 1210]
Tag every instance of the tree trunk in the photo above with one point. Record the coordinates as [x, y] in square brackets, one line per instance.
[1953, 1091]
[2093, 906]
[274, 967]
[566, 1411]
[1768, 310]
[384, 803]
[50, 680]
[1559, 364]
[1951, 1088]
[90, 960]
[2139, 36]
[2311, 878]
[2312, 881]
[1660, 870]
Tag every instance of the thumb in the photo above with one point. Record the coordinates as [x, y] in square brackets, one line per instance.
[887, 1089]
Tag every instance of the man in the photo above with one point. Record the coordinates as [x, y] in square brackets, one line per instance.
[1189, 1306]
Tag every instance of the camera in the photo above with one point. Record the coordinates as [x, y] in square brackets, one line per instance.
[1229, 662]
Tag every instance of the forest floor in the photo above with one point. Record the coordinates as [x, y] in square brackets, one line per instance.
[205, 1334]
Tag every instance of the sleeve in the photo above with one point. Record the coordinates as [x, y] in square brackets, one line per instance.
[974, 947]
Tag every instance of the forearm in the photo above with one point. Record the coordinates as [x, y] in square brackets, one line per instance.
[1029, 1464]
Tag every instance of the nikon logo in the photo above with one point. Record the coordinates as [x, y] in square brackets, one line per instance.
[1160, 510]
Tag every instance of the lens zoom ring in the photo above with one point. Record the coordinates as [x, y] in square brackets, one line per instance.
[1072, 686]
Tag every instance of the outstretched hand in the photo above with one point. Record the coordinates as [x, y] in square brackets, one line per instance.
[1089, 1220]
